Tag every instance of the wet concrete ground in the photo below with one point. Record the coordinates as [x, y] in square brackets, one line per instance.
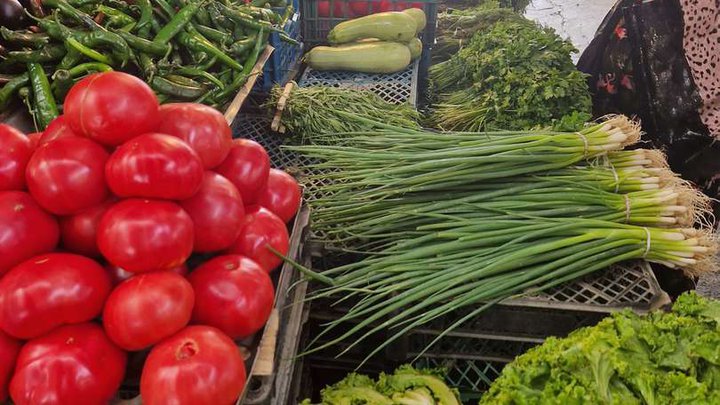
[574, 19]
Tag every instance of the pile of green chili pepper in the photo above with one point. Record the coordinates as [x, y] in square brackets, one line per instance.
[187, 50]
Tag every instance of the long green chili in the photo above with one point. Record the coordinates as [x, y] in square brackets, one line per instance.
[45, 108]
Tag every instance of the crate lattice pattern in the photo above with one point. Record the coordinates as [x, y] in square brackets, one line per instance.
[396, 88]
[470, 376]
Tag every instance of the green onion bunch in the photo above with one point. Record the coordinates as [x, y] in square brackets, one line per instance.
[444, 221]
[311, 114]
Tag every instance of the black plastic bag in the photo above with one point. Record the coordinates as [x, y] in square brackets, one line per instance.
[637, 67]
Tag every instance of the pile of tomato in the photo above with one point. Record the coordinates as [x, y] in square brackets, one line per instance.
[359, 8]
[99, 215]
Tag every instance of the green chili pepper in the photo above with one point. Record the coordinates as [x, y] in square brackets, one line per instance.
[144, 23]
[72, 12]
[89, 52]
[240, 47]
[144, 45]
[45, 108]
[147, 65]
[27, 38]
[178, 22]
[197, 43]
[10, 88]
[203, 17]
[116, 18]
[196, 72]
[62, 82]
[220, 96]
[91, 39]
[181, 91]
[213, 34]
[248, 21]
[89, 67]
[207, 65]
[166, 7]
[49, 53]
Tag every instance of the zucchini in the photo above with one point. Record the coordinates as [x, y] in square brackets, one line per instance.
[372, 57]
[419, 16]
[389, 26]
[415, 46]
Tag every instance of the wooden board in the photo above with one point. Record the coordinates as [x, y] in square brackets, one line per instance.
[244, 92]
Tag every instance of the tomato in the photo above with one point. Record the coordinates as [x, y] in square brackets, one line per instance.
[247, 167]
[154, 166]
[340, 9]
[198, 365]
[147, 308]
[79, 232]
[58, 128]
[203, 128]
[15, 151]
[417, 5]
[281, 195]
[74, 364]
[34, 138]
[260, 229]
[361, 8]
[9, 349]
[25, 229]
[50, 290]
[67, 175]
[111, 108]
[401, 5]
[217, 213]
[145, 235]
[118, 275]
[240, 287]
[385, 5]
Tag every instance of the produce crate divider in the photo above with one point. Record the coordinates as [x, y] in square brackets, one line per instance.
[396, 88]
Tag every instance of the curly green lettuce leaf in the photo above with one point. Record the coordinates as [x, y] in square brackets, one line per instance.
[407, 378]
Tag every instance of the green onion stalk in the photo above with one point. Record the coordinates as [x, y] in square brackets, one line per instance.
[478, 263]
[311, 113]
[426, 161]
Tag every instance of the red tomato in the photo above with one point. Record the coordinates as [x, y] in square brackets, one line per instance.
[261, 228]
[217, 213]
[79, 232]
[111, 107]
[203, 128]
[198, 365]
[15, 151]
[57, 129]
[25, 229]
[385, 5]
[401, 5]
[340, 9]
[9, 349]
[247, 167]
[421, 6]
[148, 308]
[154, 166]
[34, 138]
[118, 275]
[145, 235]
[74, 364]
[281, 195]
[51, 290]
[240, 287]
[67, 175]
[361, 8]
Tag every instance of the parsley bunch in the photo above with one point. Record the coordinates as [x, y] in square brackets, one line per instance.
[517, 75]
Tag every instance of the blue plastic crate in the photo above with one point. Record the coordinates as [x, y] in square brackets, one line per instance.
[286, 57]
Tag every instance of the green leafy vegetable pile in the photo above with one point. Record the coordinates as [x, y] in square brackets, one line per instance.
[662, 358]
[407, 386]
[517, 75]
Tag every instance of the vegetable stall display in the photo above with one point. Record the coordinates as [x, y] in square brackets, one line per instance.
[377, 43]
[99, 218]
[200, 51]
[660, 358]
[466, 220]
